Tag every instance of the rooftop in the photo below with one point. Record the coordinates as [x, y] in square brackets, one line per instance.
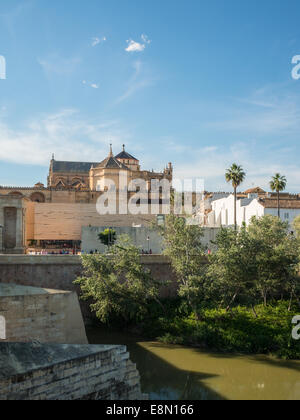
[75, 167]
[256, 190]
[111, 163]
[271, 203]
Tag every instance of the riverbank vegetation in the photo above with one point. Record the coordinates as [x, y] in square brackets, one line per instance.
[234, 332]
[241, 297]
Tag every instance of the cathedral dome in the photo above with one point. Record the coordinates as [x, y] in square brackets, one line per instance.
[125, 156]
[111, 162]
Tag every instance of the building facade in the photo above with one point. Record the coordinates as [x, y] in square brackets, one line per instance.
[219, 212]
[85, 182]
[13, 219]
[56, 213]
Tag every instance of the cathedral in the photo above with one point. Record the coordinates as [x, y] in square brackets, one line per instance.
[57, 214]
[84, 182]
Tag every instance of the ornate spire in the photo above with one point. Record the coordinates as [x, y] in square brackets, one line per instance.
[123, 147]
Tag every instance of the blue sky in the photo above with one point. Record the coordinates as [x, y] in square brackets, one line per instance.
[199, 83]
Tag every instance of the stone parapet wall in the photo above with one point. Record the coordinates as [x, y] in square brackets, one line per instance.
[64, 372]
[59, 272]
[48, 316]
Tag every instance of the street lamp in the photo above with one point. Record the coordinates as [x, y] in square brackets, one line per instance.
[148, 240]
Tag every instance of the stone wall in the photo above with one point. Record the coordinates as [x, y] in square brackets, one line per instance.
[67, 372]
[64, 221]
[59, 272]
[12, 224]
[49, 316]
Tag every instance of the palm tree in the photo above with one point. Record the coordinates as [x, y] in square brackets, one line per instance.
[236, 176]
[278, 184]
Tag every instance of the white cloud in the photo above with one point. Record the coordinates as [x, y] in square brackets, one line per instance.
[92, 85]
[210, 164]
[96, 41]
[72, 137]
[66, 133]
[134, 46]
[136, 82]
[267, 111]
[145, 39]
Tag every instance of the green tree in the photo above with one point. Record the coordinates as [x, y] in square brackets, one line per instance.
[108, 237]
[232, 269]
[118, 283]
[183, 245]
[258, 262]
[277, 257]
[296, 225]
[278, 184]
[236, 176]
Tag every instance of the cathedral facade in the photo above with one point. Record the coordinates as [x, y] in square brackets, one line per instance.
[55, 215]
[85, 182]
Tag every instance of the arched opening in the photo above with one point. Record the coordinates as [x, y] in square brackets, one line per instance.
[38, 197]
[60, 183]
[77, 183]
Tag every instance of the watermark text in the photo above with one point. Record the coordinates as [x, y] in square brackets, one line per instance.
[2, 68]
[2, 328]
[148, 197]
[296, 69]
[296, 330]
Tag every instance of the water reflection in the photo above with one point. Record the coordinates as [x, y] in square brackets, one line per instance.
[178, 373]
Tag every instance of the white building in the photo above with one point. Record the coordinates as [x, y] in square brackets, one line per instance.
[217, 209]
[222, 211]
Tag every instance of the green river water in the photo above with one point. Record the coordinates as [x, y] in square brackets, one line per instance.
[177, 373]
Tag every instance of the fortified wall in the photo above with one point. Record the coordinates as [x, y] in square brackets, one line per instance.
[67, 372]
[59, 271]
[38, 314]
[32, 367]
